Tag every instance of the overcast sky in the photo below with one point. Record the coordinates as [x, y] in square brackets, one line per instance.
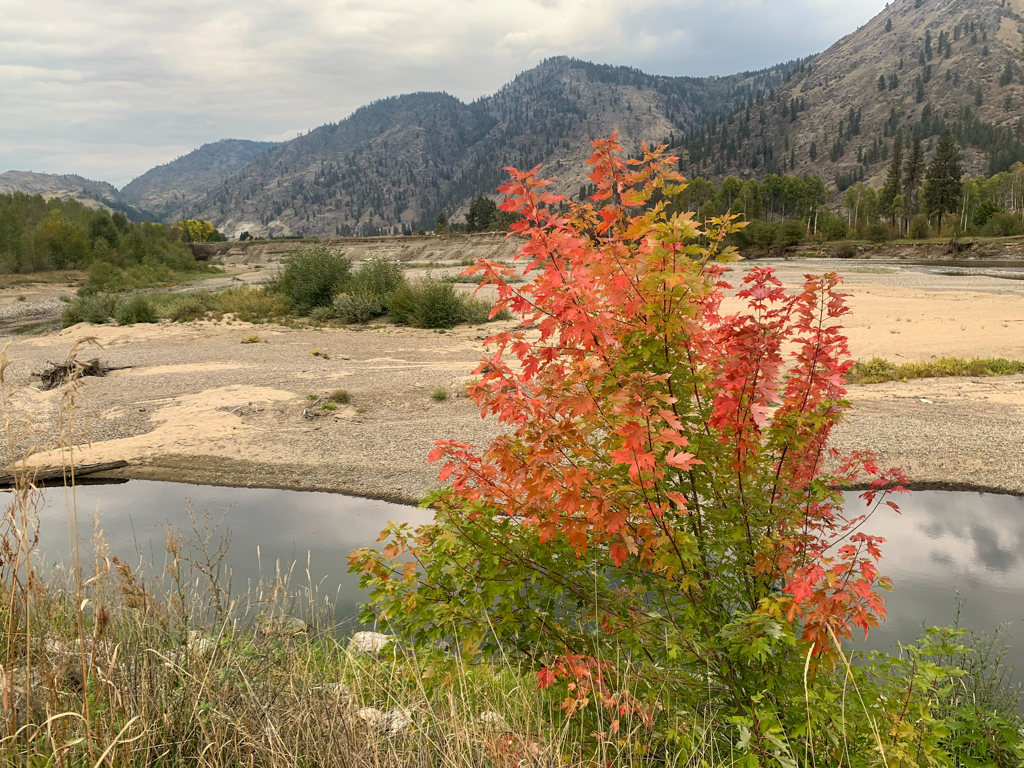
[109, 88]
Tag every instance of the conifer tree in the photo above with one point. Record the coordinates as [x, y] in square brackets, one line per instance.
[912, 175]
[892, 187]
[942, 192]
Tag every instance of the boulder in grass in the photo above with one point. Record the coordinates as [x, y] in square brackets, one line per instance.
[370, 643]
[282, 626]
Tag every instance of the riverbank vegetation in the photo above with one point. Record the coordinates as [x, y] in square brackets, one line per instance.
[652, 566]
[878, 370]
[38, 235]
[918, 201]
[315, 285]
[657, 533]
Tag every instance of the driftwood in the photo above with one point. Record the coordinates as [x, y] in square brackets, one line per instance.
[56, 374]
[46, 475]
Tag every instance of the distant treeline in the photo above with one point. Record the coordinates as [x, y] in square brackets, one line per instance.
[38, 234]
[918, 201]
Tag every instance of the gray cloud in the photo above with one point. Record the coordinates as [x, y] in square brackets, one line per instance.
[109, 88]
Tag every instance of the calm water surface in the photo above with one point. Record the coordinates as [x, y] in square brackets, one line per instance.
[942, 544]
[271, 530]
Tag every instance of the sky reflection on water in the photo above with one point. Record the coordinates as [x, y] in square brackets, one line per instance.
[942, 543]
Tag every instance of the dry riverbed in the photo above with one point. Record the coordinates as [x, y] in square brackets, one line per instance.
[198, 405]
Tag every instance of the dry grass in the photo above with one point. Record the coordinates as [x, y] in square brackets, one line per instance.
[106, 662]
[9, 280]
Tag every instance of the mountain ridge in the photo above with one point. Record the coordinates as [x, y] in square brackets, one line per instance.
[916, 68]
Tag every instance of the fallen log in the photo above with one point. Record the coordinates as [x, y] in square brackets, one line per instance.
[46, 475]
[58, 373]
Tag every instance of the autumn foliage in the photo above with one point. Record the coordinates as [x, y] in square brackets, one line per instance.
[664, 503]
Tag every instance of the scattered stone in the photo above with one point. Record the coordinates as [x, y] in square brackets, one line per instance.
[492, 718]
[199, 644]
[281, 626]
[372, 716]
[371, 643]
[397, 722]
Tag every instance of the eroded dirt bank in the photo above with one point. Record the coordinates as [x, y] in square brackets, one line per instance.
[198, 405]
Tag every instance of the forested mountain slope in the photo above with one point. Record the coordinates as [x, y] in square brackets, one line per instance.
[394, 165]
[168, 187]
[917, 67]
[95, 194]
[397, 163]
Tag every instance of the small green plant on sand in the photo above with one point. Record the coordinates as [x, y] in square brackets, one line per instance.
[340, 396]
[329, 406]
[440, 394]
[253, 339]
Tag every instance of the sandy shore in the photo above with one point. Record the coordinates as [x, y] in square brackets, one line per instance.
[197, 405]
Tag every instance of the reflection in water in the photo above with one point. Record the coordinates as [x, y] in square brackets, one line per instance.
[947, 543]
[942, 544]
[271, 530]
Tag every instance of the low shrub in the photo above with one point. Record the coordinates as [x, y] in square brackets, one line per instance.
[378, 278]
[186, 307]
[137, 309]
[439, 395]
[356, 307]
[97, 308]
[877, 233]
[312, 278]
[792, 232]
[844, 251]
[476, 311]
[340, 396]
[920, 228]
[253, 304]
[438, 305]
[1003, 224]
[761, 233]
[835, 229]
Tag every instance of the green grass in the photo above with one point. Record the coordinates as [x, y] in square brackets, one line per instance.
[10, 280]
[440, 394]
[476, 279]
[878, 370]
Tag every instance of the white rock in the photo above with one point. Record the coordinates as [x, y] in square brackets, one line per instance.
[397, 722]
[492, 718]
[372, 716]
[369, 642]
[199, 644]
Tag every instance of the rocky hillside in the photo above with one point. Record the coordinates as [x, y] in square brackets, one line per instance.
[396, 164]
[917, 67]
[166, 188]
